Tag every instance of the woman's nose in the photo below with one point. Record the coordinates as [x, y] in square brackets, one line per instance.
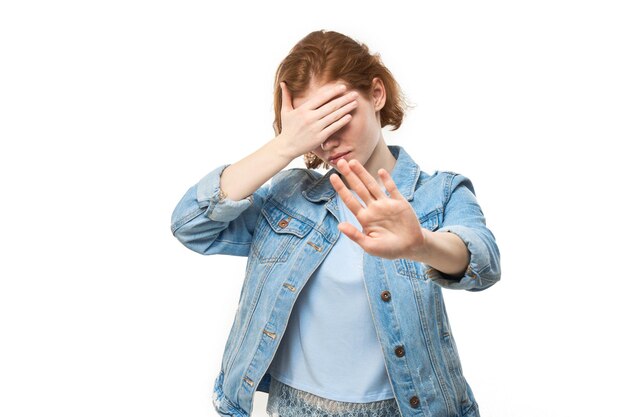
[330, 143]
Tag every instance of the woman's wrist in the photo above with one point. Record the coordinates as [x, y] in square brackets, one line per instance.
[445, 252]
[284, 148]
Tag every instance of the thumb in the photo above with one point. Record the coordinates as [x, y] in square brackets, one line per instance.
[286, 104]
[352, 232]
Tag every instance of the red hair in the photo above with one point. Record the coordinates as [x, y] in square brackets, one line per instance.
[329, 56]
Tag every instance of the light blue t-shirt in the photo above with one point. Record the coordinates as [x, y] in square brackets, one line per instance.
[330, 347]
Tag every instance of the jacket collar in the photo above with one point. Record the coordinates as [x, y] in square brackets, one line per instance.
[405, 174]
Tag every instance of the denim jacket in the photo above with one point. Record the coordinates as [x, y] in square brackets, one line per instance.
[287, 227]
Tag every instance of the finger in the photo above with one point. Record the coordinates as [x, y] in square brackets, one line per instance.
[370, 182]
[334, 127]
[337, 115]
[353, 233]
[390, 185]
[336, 104]
[325, 94]
[287, 104]
[355, 182]
[348, 198]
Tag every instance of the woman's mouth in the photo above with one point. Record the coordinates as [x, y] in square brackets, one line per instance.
[334, 160]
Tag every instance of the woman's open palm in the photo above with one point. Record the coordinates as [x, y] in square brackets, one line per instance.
[390, 227]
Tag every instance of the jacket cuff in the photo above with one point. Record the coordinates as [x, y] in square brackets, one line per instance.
[479, 261]
[219, 208]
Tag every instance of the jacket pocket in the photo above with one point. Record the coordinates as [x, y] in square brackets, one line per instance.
[412, 269]
[277, 233]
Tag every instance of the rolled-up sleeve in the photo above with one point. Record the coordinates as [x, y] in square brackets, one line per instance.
[463, 216]
[208, 223]
[219, 209]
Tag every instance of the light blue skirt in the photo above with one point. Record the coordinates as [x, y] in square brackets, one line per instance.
[286, 401]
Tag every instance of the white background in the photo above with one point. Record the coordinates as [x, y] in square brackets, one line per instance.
[110, 110]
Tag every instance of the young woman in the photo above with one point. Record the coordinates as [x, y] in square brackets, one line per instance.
[341, 311]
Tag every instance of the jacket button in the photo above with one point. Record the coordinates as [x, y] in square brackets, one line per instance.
[399, 351]
[283, 223]
[385, 295]
[414, 401]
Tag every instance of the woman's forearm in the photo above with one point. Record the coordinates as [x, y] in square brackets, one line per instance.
[446, 252]
[244, 177]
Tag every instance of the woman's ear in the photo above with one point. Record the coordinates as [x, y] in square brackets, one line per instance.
[378, 93]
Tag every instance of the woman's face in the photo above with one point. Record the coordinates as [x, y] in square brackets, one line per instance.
[359, 139]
